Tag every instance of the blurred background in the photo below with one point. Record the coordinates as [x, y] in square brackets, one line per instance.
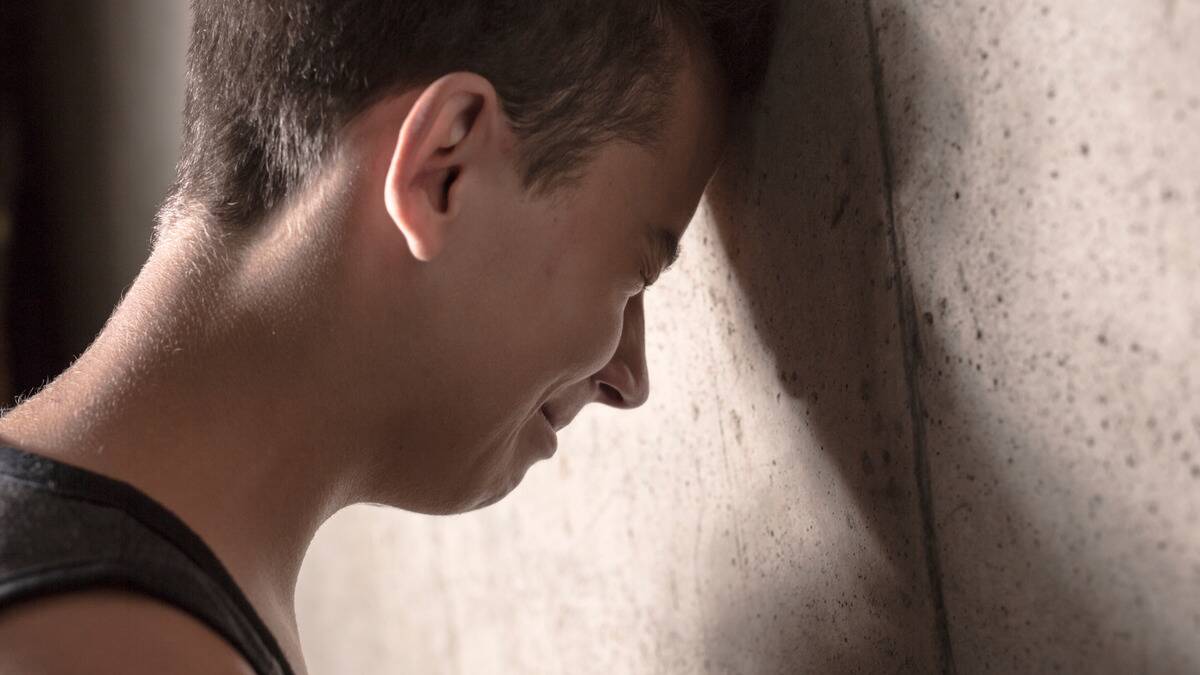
[90, 101]
[926, 379]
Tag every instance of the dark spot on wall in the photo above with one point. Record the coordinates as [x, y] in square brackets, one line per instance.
[868, 467]
[841, 210]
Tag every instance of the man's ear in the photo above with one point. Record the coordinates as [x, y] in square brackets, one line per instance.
[447, 133]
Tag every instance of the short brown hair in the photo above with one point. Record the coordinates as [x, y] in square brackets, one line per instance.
[271, 82]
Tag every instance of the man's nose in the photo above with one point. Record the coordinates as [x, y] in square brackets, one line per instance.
[624, 382]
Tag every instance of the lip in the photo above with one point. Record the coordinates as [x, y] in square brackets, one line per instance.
[549, 419]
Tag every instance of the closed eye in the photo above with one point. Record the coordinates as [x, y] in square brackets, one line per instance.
[665, 250]
[647, 282]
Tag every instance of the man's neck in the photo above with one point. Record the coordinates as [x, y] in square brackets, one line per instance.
[206, 421]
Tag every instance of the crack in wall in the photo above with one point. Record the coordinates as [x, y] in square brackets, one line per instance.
[911, 346]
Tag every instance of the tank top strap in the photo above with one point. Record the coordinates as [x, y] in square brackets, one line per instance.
[64, 528]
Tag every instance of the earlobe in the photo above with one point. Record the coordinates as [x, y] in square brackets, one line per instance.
[443, 136]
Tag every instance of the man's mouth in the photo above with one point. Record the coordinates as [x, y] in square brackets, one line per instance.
[553, 432]
[549, 419]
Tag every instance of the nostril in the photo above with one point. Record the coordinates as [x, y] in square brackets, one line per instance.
[611, 395]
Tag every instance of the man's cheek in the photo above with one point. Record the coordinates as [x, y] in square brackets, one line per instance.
[604, 340]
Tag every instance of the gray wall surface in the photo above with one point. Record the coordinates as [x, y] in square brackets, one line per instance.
[1045, 162]
[926, 387]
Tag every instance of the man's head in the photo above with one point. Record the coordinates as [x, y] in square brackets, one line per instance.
[271, 82]
[447, 211]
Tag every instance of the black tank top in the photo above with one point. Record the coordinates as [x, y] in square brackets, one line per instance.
[63, 528]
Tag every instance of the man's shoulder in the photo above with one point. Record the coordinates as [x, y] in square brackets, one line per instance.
[110, 631]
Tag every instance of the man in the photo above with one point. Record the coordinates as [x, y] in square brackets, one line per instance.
[407, 243]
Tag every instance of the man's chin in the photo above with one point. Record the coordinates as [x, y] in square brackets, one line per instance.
[489, 501]
[457, 492]
[443, 508]
[445, 505]
[464, 503]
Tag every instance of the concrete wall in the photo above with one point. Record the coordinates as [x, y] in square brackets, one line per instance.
[1045, 162]
[925, 383]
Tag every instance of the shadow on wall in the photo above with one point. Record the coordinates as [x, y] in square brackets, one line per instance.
[1023, 602]
[802, 207]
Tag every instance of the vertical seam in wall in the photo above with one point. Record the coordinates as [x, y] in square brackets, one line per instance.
[912, 352]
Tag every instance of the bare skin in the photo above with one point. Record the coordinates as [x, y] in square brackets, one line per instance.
[410, 331]
[125, 633]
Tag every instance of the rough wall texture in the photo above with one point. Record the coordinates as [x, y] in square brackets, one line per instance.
[926, 388]
[1045, 162]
